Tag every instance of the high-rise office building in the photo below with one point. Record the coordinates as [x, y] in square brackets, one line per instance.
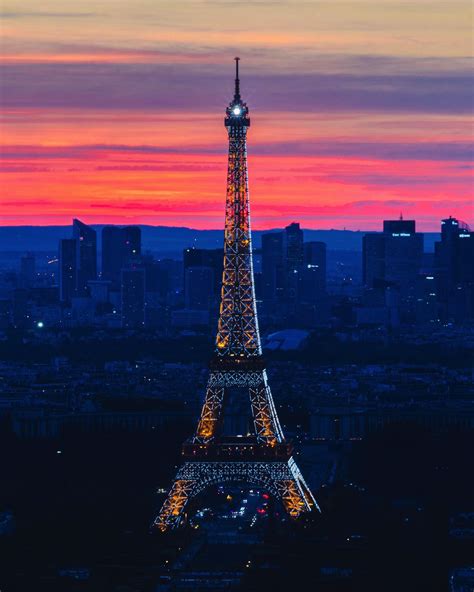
[293, 260]
[27, 270]
[394, 257]
[272, 267]
[292, 272]
[293, 240]
[67, 269]
[21, 318]
[312, 282]
[201, 259]
[133, 298]
[121, 247]
[86, 255]
[454, 270]
[199, 288]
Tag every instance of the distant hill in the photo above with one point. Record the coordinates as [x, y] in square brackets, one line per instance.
[170, 241]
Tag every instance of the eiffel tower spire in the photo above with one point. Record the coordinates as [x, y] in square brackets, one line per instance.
[263, 457]
[237, 82]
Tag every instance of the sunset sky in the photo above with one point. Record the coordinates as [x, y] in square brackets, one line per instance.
[112, 111]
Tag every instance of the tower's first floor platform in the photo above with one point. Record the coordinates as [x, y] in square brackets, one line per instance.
[282, 478]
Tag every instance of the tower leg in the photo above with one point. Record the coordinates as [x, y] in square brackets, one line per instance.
[211, 411]
[187, 484]
[294, 492]
[267, 425]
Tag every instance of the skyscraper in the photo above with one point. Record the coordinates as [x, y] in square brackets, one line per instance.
[293, 262]
[133, 298]
[394, 257]
[454, 270]
[293, 239]
[272, 267]
[67, 269]
[312, 286]
[211, 258]
[121, 246]
[199, 288]
[86, 255]
[27, 270]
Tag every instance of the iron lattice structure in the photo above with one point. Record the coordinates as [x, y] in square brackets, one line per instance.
[264, 457]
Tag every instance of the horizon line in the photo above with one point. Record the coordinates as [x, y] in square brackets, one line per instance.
[100, 224]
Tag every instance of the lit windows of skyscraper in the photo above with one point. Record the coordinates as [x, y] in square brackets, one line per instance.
[454, 270]
[394, 257]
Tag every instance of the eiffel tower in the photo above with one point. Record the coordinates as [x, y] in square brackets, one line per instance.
[263, 458]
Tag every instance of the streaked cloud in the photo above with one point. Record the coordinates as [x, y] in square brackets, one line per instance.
[359, 108]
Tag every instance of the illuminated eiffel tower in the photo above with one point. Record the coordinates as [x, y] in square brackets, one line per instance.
[263, 458]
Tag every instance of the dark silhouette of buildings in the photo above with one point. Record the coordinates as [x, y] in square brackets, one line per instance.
[77, 262]
[272, 268]
[313, 274]
[293, 260]
[393, 258]
[27, 270]
[454, 270]
[199, 288]
[293, 273]
[67, 269]
[121, 247]
[133, 298]
[298, 284]
[202, 277]
[86, 255]
[210, 258]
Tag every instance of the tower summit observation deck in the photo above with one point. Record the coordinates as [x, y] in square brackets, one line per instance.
[263, 457]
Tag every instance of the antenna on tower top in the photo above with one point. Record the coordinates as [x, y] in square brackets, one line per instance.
[237, 82]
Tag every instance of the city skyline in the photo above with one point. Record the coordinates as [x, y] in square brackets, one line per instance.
[356, 118]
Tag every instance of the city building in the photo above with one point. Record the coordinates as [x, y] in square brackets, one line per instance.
[121, 247]
[20, 316]
[67, 269]
[272, 268]
[86, 255]
[199, 288]
[211, 258]
[27, 270]
[312, 285]
[133, 298]
[454, 270]
[393, 258]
